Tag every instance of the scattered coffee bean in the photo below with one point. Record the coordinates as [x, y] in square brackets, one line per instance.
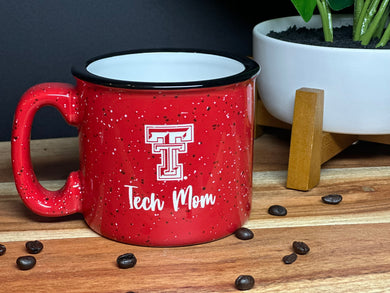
[126, 261]
[300, 247]
[3, 249]
[277, 210]
[244, 233]
[289, 259]
[34, 247]
[26, 262]
[244, 282]
[332, 198]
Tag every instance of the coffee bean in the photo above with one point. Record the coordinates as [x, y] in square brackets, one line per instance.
[34, 247]
[300, 247]
[26, 262]
[289, 259]
[332, 198]
[244, 233]
[244, 282]
[126, 261]
[3, 249]
[277, 210]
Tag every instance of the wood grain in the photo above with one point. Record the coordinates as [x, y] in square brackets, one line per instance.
[304, 165]
[349, 242]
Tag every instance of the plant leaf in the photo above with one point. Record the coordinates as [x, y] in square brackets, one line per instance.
[340, 4]
[305, 8]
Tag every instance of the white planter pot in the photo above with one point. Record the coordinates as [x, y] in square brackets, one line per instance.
[356, 82]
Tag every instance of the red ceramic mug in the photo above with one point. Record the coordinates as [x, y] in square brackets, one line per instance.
[165, 141]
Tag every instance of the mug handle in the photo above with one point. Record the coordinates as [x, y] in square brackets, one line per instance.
[41, 201]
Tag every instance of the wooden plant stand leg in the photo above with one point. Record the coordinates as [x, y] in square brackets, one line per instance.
[310, 147]
[304, 165]
[378, 138]
[264, 118]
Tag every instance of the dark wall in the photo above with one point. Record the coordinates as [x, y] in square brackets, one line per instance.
[40, 39]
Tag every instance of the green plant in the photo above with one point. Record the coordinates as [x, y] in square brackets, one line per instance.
[370, 18]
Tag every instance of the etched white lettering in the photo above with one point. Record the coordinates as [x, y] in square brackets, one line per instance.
[146, 203]
[195, 201]
[207, 199]
[181, 196]
[185, 197]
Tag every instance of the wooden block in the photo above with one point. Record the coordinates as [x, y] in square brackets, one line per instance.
[264, 118]
[385, 139]
[304, 165]
[334, 143]
[310, 147]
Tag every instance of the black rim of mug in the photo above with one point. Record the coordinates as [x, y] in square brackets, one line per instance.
[79, 70]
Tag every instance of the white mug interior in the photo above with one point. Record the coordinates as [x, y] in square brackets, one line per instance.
[165, 67]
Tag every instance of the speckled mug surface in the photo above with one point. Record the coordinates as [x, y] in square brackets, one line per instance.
[166, 143]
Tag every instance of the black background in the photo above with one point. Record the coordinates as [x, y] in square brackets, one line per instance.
[41, 39]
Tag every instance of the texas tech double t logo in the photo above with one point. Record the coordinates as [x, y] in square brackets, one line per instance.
[169, 141]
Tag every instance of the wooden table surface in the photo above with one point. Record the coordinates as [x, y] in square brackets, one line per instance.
[350, 242]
